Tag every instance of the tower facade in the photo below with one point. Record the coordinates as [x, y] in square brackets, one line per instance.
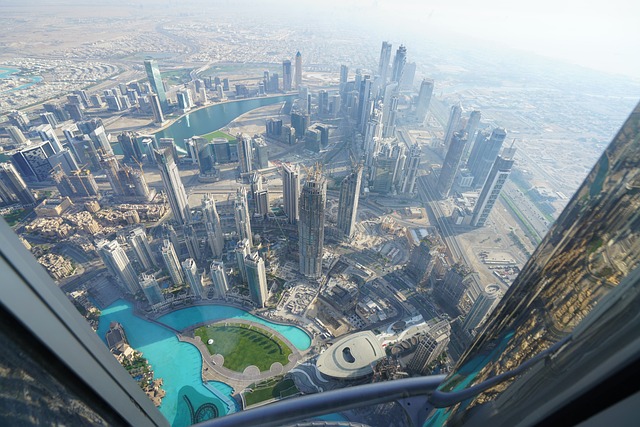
[118, 264]
[192, 277]
[219, 279]
[290, 191]
[137, 239]
[420, 262]
[150, 288]
[492, 187]
[411, 170]
[215, 238]
[451, 164]
[242, 218]
[298, 77]
[348, 202]
[155, 80]
[424, 99]
[245, 153]
[483, 155]
[173, 185]
[256, 278]
[311, 224]
[385, 58]
[430, 347]
[171, 261]
[243, 249]
[13, 182]
[482, 307]
[192, 242]
[398, 64]
[286, 75]
[453, 125]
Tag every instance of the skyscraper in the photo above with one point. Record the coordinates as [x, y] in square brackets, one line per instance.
[298, 77]
[242, 250]
[245, 153]
[411, 169]
[420, 262]
[15, 185]
[424, 99]
[219, 279]
[150, 288]
[118, 265]
[408, 76]
[256, 278]
[46, 133]
[492, 187]
[452, 126]
[242, 218]
[290, 191]
[484, 154]
[344, 76]
[171, 261]
[212, 225]
[482, 307]
[192, 242]
[348, 202]
[16, 135]
[137, 239]
[311, 224]
[156, 108]
[286, 75]
[192, 277]
[389, 110]
[173, 185]
[451, 164]
[385, 58]
[433, 343]
[33, 161]
[155, 79]
[388, 164]
[471, 129]
[399, 62]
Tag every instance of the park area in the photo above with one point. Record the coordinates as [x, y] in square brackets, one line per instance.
[244, 345]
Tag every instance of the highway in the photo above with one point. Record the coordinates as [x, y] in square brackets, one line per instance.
[429, 200]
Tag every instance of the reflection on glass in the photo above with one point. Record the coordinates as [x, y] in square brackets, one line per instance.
[592, 249]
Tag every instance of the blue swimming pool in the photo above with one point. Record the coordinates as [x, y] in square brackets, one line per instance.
[179, 364]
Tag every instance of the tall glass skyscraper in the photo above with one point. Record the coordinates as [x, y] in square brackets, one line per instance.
[155, 79]
[311, 225]
[348, 202]
[173, 185]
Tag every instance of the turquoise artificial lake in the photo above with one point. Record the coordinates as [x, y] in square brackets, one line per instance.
[214, 117]
[179, 364]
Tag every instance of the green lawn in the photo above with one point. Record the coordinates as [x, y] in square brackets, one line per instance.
[243, 345]
[14, 217]
[219, 134]
[270, 389]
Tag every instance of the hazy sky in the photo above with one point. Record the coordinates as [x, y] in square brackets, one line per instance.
[597, 34]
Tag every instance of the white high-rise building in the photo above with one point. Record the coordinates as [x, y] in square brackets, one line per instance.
[242, 218]
[172, 262]
[256, 278]
[348, 202]
[215, 237]
[482, 307]
[290, 191]
[242, 250]
[173, 185]
[192, 277]
[424, 99]
[149, 286]
[118, 264]
[219, 279]
[137, 239]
